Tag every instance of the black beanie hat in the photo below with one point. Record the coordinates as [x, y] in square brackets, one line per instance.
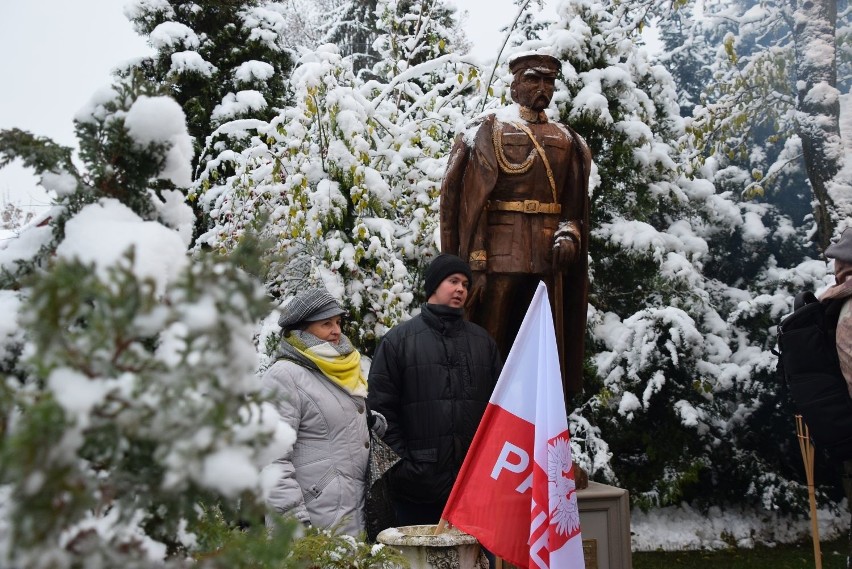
[441, 267]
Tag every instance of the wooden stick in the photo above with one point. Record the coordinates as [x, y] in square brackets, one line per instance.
[499, 53]
[807, 450]
[442, 527]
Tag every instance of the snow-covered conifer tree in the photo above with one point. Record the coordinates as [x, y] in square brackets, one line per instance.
[688, 44]
[352, 28]
[133, 432]
[345, 182]
[412, 32]
[691, 44]
[307, 22]
[220, 60]
[682, 373]
[778, 71]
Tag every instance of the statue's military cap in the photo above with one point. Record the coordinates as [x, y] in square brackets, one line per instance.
[541, 63]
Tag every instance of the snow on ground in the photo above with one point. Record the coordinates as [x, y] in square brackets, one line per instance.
[684, 528]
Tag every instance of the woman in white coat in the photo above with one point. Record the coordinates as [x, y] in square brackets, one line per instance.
[319, 390]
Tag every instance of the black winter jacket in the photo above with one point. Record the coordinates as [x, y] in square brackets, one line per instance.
[431, 378]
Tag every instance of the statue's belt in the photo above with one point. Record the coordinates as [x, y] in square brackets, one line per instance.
[525, 206]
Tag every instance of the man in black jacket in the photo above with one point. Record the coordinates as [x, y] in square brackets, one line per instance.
[431, 378]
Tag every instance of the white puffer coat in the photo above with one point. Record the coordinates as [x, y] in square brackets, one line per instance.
[322, 479]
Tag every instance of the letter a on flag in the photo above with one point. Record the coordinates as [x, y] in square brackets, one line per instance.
[515, 492]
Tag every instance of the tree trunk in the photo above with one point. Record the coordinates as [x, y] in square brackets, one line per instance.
[818, 112]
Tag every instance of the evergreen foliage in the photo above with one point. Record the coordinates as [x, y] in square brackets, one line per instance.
[126, 385]
[691, 45]
[773, 104]
[307, 22]
[132, 429]
[687, 47]
[529, 25]
[353, 30]
[412, 32]
[125, 417]
[680, 336]
[347, 179]
[141, 173]
[329, 551]
[220, 61]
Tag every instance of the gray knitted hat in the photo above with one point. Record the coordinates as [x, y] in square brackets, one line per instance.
[311, 305]
[842, 250]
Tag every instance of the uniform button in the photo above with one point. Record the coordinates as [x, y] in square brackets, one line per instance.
[367, 444]
[360, 409]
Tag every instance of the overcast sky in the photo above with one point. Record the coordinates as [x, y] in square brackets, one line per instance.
[55, 53]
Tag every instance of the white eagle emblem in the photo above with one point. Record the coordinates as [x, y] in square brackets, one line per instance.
[563, 505]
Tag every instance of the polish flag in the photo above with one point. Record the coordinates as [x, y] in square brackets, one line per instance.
[515, 492]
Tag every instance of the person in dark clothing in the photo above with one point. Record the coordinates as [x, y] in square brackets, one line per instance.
[841, 292]
[431, 378]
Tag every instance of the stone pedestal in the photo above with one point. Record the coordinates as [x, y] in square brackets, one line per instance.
[605, 525]
[452, 549]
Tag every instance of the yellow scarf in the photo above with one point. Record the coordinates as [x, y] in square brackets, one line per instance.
[345, 371]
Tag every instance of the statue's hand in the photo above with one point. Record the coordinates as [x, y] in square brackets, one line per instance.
[564, 253]
[477, 288]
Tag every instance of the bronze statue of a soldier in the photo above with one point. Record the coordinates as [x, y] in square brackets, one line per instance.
[515, 204]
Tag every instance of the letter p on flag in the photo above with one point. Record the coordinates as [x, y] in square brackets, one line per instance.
[523, 510]
[503, 460]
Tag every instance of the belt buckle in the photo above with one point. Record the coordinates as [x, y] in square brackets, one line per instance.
[530, 206]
